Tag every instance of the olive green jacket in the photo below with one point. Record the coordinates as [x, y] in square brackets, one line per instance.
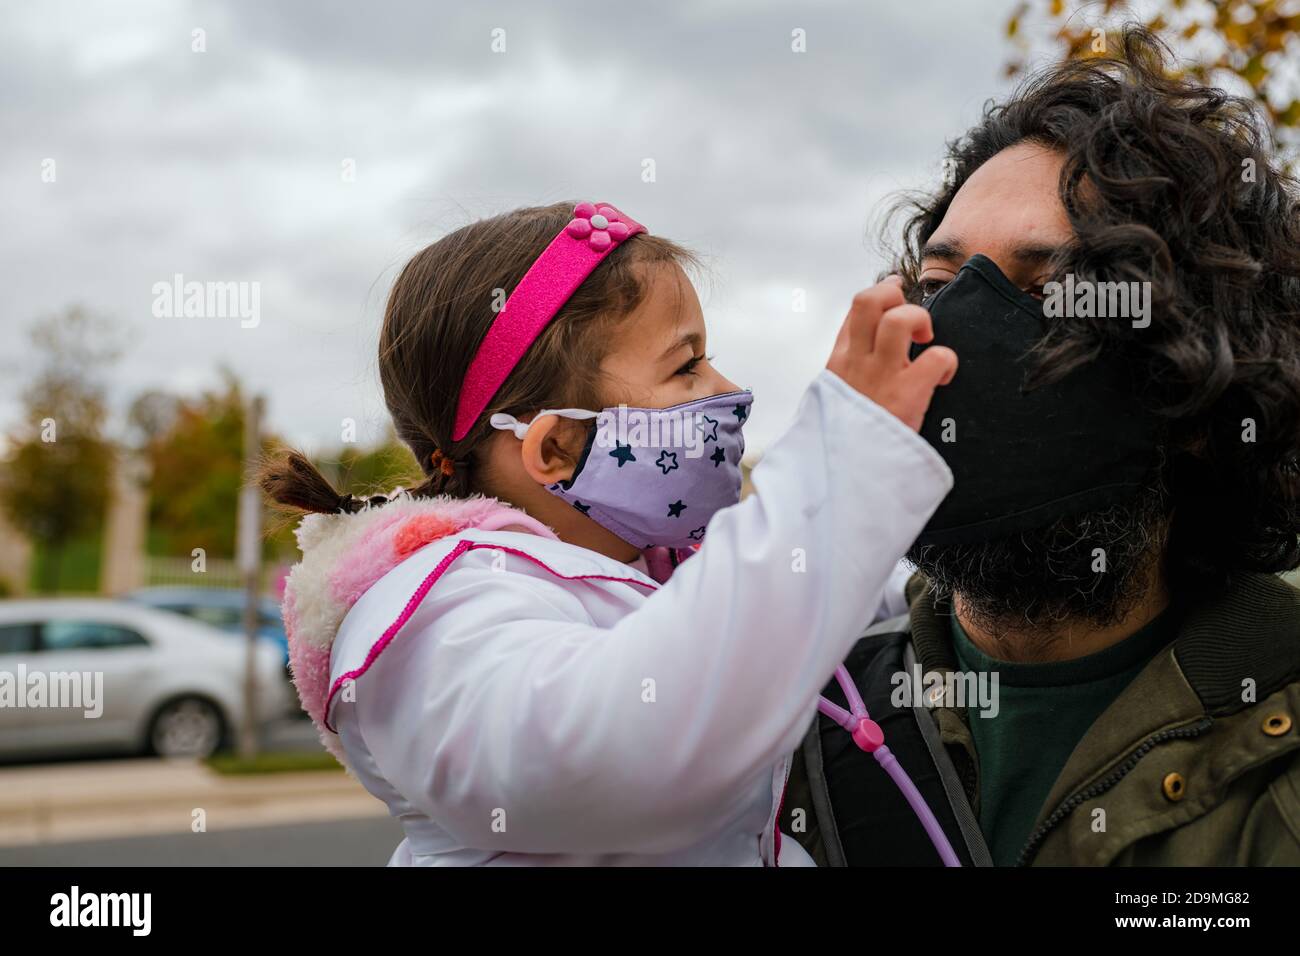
[1197, 762]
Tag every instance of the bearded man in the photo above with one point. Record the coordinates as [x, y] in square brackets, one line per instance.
[1108, 663]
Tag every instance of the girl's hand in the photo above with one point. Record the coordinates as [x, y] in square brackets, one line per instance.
[871, 352]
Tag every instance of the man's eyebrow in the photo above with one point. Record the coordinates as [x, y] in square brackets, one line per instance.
[953, 250]
[1035, 253]
[690, 338]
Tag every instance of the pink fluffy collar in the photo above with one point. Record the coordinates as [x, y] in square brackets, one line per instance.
[344, 554]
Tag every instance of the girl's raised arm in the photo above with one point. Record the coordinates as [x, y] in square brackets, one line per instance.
[554, 724]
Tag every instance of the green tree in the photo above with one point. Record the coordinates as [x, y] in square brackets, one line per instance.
[195, 450]
[55, 483]
[369, 471]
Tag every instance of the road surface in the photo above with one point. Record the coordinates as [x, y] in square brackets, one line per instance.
[357, 842]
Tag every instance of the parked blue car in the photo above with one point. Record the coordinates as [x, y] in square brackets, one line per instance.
[220, 607]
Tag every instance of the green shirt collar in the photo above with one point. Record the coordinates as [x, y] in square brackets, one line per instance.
[1137, 648]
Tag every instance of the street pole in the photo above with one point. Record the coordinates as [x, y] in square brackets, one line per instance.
[249, 547]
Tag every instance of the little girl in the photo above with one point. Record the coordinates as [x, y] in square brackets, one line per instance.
[516, 656]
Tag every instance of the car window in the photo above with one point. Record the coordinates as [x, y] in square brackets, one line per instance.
[70, 635]
[17, 638]
[225, 618]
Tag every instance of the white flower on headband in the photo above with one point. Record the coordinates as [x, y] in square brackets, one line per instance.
[599, 225]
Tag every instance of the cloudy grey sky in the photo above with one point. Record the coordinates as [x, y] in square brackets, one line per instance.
[226, 165]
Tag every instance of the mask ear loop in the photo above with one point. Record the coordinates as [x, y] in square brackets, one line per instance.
[509, 423]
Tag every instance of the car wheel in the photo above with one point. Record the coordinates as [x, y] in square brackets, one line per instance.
[186, 727]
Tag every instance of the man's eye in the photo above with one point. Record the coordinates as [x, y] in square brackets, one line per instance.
[928, 287]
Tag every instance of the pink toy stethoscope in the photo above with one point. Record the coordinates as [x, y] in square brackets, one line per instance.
[869, 737]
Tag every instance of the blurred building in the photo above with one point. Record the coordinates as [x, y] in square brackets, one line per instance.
[15, 559]
[125, 527]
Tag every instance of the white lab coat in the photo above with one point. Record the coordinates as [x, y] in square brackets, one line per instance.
[528, 713]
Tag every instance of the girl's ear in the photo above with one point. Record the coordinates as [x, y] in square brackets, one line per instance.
[551, 448]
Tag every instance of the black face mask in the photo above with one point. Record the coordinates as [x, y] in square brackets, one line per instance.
[1021, 459]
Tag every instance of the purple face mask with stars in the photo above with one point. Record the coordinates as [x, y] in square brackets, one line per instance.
[655, 476]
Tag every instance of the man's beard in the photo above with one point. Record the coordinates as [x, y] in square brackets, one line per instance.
[1028, 589]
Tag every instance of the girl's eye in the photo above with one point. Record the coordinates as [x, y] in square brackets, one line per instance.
[689, 367]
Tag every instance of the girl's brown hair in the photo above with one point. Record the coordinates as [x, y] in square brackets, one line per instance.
[440, 308]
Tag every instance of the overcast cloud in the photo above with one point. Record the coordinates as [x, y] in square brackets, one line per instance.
[225, 166]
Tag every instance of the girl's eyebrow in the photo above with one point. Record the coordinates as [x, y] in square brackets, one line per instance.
[690, 338]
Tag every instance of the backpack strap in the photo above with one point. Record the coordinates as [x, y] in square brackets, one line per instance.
[952, 786]
[828, 835]
[858, 816]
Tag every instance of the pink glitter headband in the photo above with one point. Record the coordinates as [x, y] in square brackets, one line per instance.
[595, 231]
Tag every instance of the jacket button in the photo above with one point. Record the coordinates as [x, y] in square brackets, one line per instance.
[1275, 725]
[1174, 786]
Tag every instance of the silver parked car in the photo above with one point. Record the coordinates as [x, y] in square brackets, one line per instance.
[99, 675]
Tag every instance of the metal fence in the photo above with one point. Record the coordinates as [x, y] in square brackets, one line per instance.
[216, 573]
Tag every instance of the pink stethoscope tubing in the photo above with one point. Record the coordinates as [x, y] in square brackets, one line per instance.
[869, 737]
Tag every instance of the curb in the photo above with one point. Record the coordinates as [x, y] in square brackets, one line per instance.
[50, 804]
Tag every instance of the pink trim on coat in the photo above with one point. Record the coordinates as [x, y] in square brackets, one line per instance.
[422, 591]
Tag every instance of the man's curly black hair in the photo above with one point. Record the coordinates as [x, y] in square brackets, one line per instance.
[1171, 183]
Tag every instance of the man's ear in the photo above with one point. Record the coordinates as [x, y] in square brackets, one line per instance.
[551, 448]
